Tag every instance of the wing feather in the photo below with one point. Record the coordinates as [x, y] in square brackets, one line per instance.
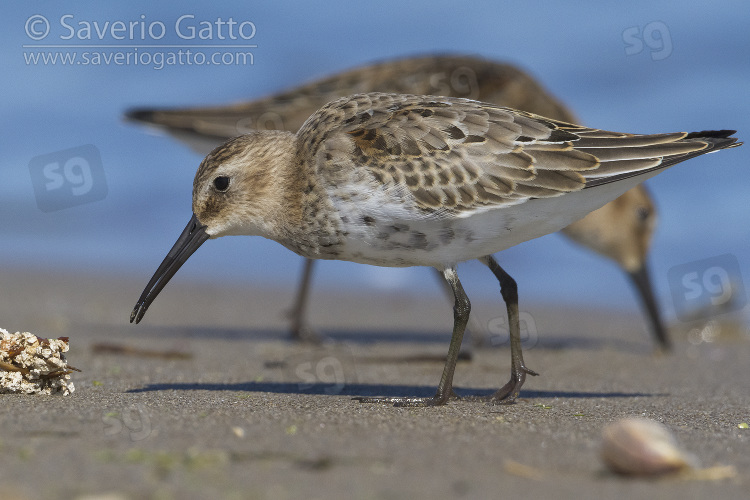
[457, 155]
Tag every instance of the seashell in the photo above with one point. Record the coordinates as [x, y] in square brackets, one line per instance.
[639, 446]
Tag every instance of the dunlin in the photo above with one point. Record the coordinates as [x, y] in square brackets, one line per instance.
[621, 231]
[403, 180]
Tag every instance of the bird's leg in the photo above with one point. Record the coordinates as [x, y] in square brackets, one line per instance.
[300, 330]
[461, 310]
[474, 330]
[518, 371]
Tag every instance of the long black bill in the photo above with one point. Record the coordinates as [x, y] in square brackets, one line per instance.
[642, 282]
[191, 238]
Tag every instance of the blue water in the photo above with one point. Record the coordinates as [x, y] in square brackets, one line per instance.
[633, 67]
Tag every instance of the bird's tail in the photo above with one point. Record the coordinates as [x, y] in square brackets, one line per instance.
[712, 141]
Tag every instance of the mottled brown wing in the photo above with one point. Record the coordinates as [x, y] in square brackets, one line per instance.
[456, 154]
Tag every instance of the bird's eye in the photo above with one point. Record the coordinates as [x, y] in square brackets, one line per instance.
[221, 183]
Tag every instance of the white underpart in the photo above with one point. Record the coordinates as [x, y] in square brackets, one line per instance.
[475, 233]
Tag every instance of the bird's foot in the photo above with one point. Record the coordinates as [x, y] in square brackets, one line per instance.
[508, 393]
[437, 400]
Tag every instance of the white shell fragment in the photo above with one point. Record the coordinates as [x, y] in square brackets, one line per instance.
[34, 365]
[639, 446]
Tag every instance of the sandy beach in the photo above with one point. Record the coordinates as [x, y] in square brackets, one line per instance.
[208, 398]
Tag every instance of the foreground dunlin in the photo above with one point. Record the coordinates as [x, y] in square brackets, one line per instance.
[402, 180]
[621, 230]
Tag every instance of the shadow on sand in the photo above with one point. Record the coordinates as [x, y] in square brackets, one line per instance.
[336, 339]
[370, 390]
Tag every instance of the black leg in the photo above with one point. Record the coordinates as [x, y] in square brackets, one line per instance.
[461, 310]
[518, 371]
[474, 331]
[300, 330]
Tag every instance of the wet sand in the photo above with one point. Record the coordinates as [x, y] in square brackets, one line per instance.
[208, 398]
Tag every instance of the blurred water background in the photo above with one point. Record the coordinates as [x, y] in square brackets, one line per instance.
[635, 66]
